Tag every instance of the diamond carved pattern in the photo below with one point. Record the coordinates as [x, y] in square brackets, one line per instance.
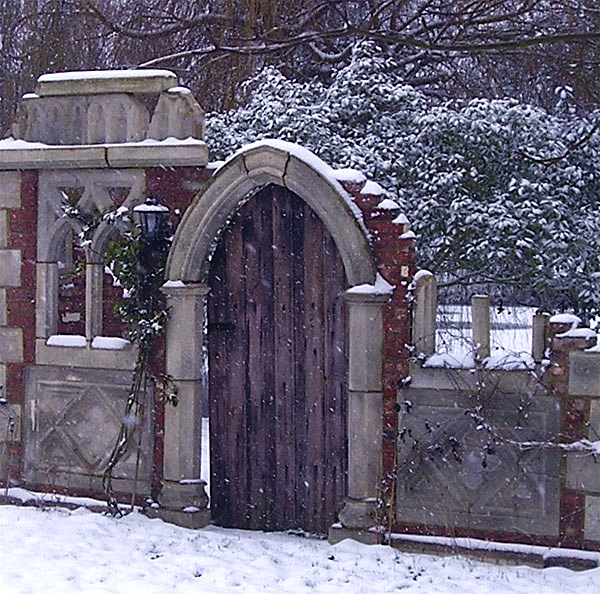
[73, 429]
[450, 479]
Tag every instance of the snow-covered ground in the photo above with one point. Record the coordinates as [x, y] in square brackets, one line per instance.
[55, 551]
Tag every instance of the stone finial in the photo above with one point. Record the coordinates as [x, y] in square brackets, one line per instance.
[104, 107]
[177, 115]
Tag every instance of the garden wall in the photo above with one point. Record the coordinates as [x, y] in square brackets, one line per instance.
[502, 447]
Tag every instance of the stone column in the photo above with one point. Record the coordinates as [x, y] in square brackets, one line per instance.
[183, 498]
[365, 414]
[480, 314]
[46, 302]
[424, 312]
[94, 274]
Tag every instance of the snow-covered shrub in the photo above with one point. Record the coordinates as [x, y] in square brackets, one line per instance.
[483, 211]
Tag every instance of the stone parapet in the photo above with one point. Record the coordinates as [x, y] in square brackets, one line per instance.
[104, 107]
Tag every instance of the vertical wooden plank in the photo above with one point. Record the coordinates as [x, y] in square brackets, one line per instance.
[283, 324]
[335, 397]
[314, 276]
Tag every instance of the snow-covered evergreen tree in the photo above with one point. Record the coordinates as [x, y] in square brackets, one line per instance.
[484, 212]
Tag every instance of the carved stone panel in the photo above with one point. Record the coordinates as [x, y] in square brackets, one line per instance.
[459, 465]
[72, 419]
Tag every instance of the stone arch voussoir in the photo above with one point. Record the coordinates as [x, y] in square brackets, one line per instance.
[249, 170]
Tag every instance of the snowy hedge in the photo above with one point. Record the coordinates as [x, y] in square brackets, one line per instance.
[483, 211]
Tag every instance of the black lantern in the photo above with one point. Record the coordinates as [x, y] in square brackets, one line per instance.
[153, 218]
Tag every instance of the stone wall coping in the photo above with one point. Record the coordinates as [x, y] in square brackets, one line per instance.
[94, 82]
[175, 288]
[442, 378]
[19, 154]
[94, 358]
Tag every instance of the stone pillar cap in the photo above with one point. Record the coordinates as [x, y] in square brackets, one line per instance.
[97, 82]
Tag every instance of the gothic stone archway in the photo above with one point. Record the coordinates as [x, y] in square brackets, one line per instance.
[253, 168]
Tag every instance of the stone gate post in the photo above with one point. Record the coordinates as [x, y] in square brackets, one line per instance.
[183, 498]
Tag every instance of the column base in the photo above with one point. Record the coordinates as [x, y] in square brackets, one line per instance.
[337, 533]
[194, 519]
[359, 514]
[183, 503]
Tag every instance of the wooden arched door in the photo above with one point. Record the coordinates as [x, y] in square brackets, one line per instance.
[277, 369]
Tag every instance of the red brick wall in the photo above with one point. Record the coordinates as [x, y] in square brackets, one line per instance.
[20, 301]
[22, 226]
[396, 261]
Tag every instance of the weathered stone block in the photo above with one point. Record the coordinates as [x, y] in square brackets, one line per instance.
[10, 268]
[73, 419]
[424, 313]
[183, 434]
[584, 374]
[365, 344]
[452, 472]
[53, 157]
[187, 306]
[177, 115]
[583, 472]
[96, 358]
[105, 81]
[359, 514]
[594, 432]
[11, 345]
[10, 189]
[148, 155]
[365, 410]
[3, 312]
[3, 229]
[592, 518]
[10, 422]
[267, 162]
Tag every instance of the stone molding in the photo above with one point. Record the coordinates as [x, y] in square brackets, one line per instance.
[105, 156]
[240, 177]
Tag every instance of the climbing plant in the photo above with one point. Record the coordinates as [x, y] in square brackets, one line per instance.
[137, 265]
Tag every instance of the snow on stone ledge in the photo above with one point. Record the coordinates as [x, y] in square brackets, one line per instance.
[349, 175]
[388, 204]
[422, 273]
[42, 498]
[372, 188]
[105, 74]
[504, 361]
[510, 362]
[578, 333]
[66, 340]
[18, 144]
[565, 318]
[174, 284]
[179, 91]
[110, 342]
[451, 360]
[381, 287]
[401, 220]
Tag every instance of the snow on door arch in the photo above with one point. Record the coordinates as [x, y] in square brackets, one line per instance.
[295, 171]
